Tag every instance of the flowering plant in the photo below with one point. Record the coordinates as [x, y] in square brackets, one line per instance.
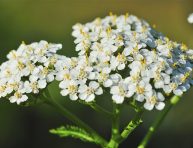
[119, 55]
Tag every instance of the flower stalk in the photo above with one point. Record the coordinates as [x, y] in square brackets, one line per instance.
[133, 124]
[98, 139]
[115, 127]
[156, 124]
[98, 108]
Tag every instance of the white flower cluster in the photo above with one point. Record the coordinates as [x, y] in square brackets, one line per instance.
[28, 70]
[119, 54]
[124, 54]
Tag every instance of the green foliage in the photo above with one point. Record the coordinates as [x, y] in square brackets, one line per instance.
[74, 132]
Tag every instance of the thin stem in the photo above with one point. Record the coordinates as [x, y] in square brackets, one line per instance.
[98, 108]
[115, 127]
[153, 128]
[101, 141]
[133, 124]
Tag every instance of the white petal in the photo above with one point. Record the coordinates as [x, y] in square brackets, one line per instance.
[115, 78]
[13, 99]
[99, 91]
[73, 97]
[59, 76]
[148, 93]
[33, 78]
[121, 67]
[139, 98]
[130, 93]
[148, 87]
[118, 99]
[50, 77]
[178, 92]
[106, 70]
[114, 90]
[127, 51]
[22, 99]
[64, 92]
[92, 76]
[167, 89]
[93, 84]
[160, 96]
[159, 84]
[83, 96]
[90, 98]
[63, 84]
[108, 83]
[160, 105]
[142, 84]
[82, 88]
[148, 106]
[42, 84]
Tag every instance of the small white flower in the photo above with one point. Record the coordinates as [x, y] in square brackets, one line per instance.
[18, 98]
[119, 92]
[88, 93]
[118, 62]
[155, 100]
[143, 90]
[69, 88]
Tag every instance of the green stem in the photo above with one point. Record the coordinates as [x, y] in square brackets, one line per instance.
[153, 128]
[101, 141]
[99, 109]
[115, 127]
[133, 124]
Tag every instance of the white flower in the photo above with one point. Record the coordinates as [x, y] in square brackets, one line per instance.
[69, 88]
[88, 93]
[190, 18]
[118, 62]
[18, 97]
[155, 100]
[104, 78]
[119, 92]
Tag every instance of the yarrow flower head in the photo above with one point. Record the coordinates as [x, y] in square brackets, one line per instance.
[122, 55]
[125, 55]
[28, 70]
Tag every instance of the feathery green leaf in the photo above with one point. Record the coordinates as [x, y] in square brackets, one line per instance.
[74, 132]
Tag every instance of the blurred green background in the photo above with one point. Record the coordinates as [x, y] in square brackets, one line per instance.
[52, 20]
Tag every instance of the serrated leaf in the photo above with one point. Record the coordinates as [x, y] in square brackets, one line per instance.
[74, 132]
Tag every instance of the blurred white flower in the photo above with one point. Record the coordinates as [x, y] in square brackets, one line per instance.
[190, 18]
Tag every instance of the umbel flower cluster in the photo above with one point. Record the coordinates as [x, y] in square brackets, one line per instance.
[120, 54]
[28, 70]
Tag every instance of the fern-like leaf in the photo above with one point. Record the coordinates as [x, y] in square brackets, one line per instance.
[74, 132]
